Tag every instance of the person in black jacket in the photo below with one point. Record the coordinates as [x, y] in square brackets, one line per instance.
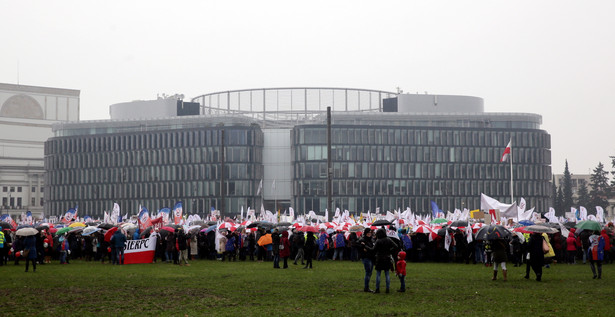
[365, 246]
[384, 249]
[299, 243]
[537, 256]
[310, 244]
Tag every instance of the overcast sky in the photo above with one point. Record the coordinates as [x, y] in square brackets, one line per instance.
[553, 58]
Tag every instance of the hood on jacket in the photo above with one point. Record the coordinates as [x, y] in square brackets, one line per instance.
[570, 234]
[285, 234]
[401, 255]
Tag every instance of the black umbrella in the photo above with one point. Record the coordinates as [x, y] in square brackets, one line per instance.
[42, 227]
[459, 223]
[211, 223]
[284, 224]
[492, 232]
[254, 224]
[570, 224]
[381, 222]
[92, 223]
[5, 225]
[105, 226]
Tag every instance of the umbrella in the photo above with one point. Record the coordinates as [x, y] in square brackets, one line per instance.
[382, 222]
[26, 231]
[540, 229]
[423, 229]
[570, 224]
[521, 230]
[588, 225]
[92, 223]
[5, 225]
[309, 229]
[526, 222]
[492, 232]
[62, 231]
[356, 228]
[211, 223]
[89, 230]
[105, 226]
[284, 224]
[227, 226]
[167, 228]
[53, 230]
[254, 224]
[439, 220]
[265, 240]
[77, 224]
[24, 226]
[198, 222]
[459, 223]
[110, 233]
[42, 227]
[282, 228]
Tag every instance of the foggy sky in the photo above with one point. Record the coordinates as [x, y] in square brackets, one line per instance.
[553, 58]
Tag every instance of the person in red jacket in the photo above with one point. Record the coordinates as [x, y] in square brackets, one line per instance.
[571, 247]
[400, 270]
[285, 248]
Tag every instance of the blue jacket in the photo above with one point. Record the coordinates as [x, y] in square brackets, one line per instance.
[30, 244]
[118, 240]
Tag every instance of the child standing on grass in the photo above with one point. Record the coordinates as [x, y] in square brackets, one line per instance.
[400, 270]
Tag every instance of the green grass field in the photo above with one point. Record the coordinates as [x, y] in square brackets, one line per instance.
[329, 289]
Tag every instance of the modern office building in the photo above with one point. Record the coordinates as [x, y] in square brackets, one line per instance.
[389, 151]
[26, 116]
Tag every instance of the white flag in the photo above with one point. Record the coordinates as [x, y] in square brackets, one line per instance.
[260, 187]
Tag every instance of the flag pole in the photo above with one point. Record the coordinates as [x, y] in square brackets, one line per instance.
[511, 174]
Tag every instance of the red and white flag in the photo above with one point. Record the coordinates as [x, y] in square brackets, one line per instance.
[506, 152]
[140, 251]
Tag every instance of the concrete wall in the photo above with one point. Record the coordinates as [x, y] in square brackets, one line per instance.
[439, 103]
[144, 109]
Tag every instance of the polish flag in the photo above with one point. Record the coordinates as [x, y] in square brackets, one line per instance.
[506, 152]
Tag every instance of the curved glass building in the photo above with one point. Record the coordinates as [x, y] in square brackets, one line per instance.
[389, 151]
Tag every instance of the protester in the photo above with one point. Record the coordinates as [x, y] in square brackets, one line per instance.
[323, 244]
[310, 243]
[170, 248]
[29, 252]
[498, 252]
[400, 270]
[229, 247]
[536, 254]
[384, 259]
[595, 253]
[571, 247]
[64, 249]
[340, 243]
[299, 243]
[285, 248]
[367, 257]
[275, 248]
[182, 247]
[118, 240]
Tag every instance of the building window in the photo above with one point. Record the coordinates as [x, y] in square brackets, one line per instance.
[33, 202]
[33, 189]
[5, 189]
[19, 189]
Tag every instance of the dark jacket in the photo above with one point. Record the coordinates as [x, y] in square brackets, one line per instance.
[384, 249]
[182, 240]
[118, 240]
[30, 244]
[366, 245]
[285, 250]
[537, 255]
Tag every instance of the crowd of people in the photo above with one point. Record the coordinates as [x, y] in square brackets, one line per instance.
[385, 250]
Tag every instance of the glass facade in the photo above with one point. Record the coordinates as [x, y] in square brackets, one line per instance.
[153, 167]
[390, 167]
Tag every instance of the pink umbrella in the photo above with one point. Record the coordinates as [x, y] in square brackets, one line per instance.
[309, 229]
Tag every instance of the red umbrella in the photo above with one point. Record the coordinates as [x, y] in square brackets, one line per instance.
[309, 229]
[169, 229]
[110, 233]
[521, 229]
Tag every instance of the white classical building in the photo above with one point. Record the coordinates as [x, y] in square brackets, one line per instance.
[26, 116]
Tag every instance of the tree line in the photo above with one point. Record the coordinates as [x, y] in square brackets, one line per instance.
[598, 192]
